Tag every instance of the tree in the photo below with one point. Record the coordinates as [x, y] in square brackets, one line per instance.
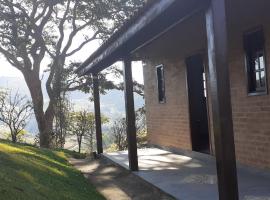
[61, 125]
[21, 137]
[89, 137]
[138, 88]
[15, 111]
[83, 126]
[141, 127]
[32, 30]
[119, 135]
[119, 131]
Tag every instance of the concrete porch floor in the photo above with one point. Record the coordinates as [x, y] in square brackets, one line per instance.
[192, 177]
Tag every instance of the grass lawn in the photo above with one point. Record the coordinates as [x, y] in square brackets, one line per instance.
[29, 173]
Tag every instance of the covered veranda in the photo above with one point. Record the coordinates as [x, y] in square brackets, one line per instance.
[192, 176]
[130, 43]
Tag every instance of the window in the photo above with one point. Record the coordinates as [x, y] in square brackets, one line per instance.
[204, 85]
[255, 62]
[161, 84]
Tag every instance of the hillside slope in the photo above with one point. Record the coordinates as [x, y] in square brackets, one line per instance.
[29, 173]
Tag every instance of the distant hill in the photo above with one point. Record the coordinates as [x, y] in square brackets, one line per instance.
[112, 104]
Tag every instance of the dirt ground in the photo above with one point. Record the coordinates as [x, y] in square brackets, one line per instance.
[117, 183]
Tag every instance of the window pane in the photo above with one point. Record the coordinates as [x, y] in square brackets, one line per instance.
[262, 64]
[258, 80]
[161, 84]
[263, 79]
[257, 63]
[204, 84]
[262, 74]
[205, 93]
[254, 48]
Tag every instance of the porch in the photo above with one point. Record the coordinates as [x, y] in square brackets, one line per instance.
[192, 176]
[170, 31]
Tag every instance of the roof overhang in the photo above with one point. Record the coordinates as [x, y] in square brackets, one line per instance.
[148, 24]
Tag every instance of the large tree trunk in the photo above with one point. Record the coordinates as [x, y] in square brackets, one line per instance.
[13, 139]
[79, 139]
[13, 136]
[80, 145]
[44, 120]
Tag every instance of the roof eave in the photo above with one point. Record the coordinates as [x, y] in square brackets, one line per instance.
[136, 33]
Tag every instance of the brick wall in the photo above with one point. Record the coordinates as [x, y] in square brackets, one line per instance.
[251, 114]
[168, 123]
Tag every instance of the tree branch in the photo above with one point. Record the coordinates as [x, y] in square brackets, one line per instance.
[10, 57]
[61, 29]
[82, 45]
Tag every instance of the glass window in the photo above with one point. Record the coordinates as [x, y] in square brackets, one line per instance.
[204, 85]
[160, 83]
[255, 61]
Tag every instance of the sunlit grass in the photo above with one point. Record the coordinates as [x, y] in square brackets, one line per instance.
[29, 173]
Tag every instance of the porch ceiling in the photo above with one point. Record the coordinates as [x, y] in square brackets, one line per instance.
[147, 25]
[181, 41]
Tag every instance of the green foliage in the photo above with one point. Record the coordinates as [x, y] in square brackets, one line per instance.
[61, 124]
[117, 72]
[119, 135]
[142, 139]
[141, 127]
[29, 173]
[112, 148]
[83, 126]
[20, 135]
[85, 83]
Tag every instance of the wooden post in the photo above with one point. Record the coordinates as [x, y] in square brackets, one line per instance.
[221, 100]
[97, 114]
[130, 116]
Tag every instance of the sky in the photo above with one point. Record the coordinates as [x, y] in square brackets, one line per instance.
[8, 71]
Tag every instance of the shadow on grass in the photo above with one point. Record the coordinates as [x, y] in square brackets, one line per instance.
[40, 174]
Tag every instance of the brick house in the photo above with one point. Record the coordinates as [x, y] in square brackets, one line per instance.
[170, 122]
[206, 80]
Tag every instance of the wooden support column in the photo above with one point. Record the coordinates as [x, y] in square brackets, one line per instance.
[130, 116]
[97, 114]
[221, 100]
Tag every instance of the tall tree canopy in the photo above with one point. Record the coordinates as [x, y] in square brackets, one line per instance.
[31, 30]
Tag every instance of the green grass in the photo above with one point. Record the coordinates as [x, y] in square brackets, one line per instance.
[29, 173]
